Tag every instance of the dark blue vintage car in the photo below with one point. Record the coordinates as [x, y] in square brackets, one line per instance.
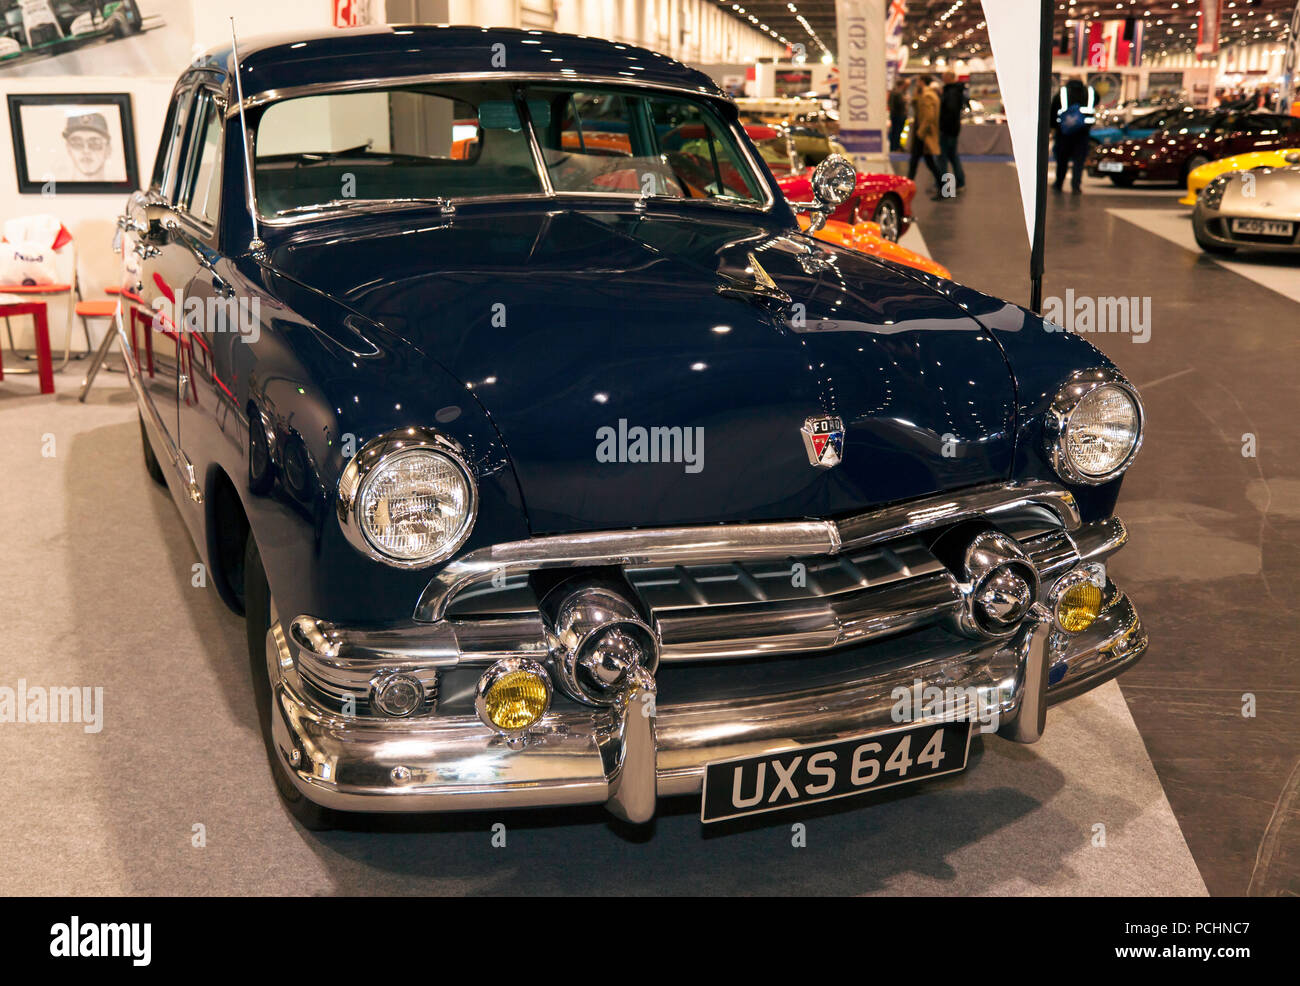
[550, 463]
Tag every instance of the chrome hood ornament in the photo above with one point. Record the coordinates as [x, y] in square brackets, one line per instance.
[823, 438]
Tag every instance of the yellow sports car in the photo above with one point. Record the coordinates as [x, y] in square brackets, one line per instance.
[1198, 178]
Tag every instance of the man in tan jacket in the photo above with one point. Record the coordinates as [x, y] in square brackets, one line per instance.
[924, 139]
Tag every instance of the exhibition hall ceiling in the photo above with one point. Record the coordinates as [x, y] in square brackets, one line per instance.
[956, 28]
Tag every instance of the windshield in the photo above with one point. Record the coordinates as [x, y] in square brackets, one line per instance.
[466, 140]
[775, 152]
[638, 143]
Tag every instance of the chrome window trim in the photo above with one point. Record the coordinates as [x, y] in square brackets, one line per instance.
[374, 454]
[178, 141]
[737, 542]
[269, 96]
[1080, 384]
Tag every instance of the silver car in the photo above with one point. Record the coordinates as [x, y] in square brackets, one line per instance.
[1257, 209]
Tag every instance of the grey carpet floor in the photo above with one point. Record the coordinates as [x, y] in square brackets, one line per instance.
[173, 795]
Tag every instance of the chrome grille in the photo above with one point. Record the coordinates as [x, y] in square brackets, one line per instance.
[779, 580]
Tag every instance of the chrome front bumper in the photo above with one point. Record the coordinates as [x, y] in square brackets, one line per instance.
[626, 757]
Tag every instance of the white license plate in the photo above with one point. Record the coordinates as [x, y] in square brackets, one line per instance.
[1114, 166]
[1263, 227]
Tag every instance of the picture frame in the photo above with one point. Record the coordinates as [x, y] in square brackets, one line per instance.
[73, 143]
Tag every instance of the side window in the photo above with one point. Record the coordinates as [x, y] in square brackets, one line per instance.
[697, 150]
[178, 122]
[202, 190]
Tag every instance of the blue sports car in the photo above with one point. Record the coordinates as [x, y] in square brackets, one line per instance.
[1186, 119]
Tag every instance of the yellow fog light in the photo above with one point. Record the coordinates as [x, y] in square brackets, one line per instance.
[1078, 602]
[512, 695]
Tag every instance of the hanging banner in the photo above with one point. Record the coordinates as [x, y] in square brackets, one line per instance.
[895, 50]
[1015, 34]
[1100, 50]
[1208, 26]
[864, 113]
[1287, 101]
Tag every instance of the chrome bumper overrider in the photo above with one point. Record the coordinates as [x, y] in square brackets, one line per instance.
[657, 739]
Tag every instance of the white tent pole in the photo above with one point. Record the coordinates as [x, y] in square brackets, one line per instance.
[1046, 43]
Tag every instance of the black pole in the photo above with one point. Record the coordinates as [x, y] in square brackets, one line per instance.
[1046, 42]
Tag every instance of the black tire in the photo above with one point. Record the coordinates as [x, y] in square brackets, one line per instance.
[151, 464]
[1194, 162]
[1123, 181]
[257, 620]
[891, 209]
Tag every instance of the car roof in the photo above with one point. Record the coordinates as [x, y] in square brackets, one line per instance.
[276, 62]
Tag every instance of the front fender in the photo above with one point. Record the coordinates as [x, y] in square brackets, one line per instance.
[318, 384]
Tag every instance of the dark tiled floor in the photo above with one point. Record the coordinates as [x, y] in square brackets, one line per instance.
[1213, 562]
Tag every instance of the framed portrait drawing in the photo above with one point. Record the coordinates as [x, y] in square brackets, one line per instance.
[70, 143]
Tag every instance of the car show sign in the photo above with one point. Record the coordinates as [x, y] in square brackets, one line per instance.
[864, 113]
[351, 13]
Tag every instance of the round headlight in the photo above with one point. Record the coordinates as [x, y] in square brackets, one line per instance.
[1094, 428]
[407, 500]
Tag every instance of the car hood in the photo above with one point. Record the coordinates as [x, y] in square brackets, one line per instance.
[1268, 193]
[574, 329]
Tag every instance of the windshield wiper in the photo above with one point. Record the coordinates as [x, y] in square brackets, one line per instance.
[323, 157]
[436, 200]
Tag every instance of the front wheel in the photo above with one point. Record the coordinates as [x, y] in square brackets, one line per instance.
[889, 215]
[257, 621]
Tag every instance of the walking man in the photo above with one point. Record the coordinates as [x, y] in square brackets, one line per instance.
[951, 105]
[924, 141]
[897, 113]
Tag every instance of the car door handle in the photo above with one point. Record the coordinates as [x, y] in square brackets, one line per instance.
[145, 251]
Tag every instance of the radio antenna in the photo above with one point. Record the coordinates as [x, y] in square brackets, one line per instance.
[255, 245]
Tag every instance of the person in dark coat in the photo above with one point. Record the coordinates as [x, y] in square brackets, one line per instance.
[1073, 112]
[897, 113]
[952, 102]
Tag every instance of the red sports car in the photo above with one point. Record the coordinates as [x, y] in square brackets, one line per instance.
[1171, 155]
[885, 199]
